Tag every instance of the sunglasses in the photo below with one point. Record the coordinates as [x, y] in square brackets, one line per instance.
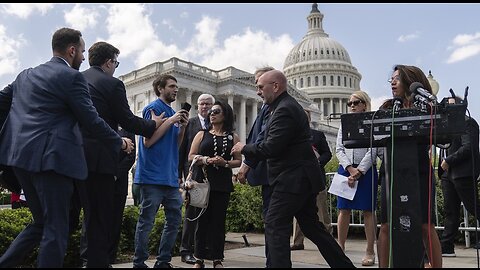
[354, 103]
[214, 111]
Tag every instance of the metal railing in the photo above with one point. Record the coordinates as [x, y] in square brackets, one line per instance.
[356, 217]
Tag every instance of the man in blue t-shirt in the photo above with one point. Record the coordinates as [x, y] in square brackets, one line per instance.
[157, 174]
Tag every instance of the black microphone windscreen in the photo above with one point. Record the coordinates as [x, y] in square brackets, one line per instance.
[413, 87]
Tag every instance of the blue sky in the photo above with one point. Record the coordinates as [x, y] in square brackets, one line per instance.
[443, 38]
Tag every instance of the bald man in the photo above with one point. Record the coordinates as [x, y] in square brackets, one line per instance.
[293, 174]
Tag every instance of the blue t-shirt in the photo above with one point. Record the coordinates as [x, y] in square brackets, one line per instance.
[158, 165]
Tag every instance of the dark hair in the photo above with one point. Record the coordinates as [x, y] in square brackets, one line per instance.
[65, 37]
[100, 52]
[408, 75]
[161, 82]
[227, 116]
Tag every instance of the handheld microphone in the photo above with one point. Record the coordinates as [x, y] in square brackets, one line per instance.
[417, 87]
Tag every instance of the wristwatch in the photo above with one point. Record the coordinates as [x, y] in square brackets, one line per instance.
[227, 165]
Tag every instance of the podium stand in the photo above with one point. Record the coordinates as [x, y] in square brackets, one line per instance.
[411, 130]
[406, 218]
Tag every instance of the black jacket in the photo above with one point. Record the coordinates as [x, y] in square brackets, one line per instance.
[460, 152]
[292, 165]
[109, 98]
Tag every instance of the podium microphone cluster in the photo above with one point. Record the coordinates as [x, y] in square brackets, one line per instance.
[417, 89]
[397, 103]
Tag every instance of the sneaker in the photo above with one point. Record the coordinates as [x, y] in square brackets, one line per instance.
[448, 252]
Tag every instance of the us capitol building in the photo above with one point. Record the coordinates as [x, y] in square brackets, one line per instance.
[319, 71]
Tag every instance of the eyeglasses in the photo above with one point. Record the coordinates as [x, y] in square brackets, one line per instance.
[259, 86]
[354, 103]
[214, 111]
[116, 63]
[396, 78]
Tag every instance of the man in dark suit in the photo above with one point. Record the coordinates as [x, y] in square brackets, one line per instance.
[42, 141]
[323, 155]
[459, 169]
[195, 124]
[293, 173]
[109, 98]
[255, 172]
[120, 194]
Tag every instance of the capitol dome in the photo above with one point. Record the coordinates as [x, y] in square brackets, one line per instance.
[321, 67]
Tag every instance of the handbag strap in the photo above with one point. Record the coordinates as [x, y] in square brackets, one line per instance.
[197, 217]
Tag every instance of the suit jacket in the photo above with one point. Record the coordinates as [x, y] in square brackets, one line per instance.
[41, 131]
[193, 127]
[459, 154]
[125, 160]
[292, 165]
[319, 141]
[110, 99]
[257, 175]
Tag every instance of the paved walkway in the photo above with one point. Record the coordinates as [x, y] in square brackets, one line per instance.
[253, 257]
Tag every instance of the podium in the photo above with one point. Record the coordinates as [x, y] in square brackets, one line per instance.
[411, 131]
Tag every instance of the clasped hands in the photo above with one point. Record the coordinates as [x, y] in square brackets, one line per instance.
[355, 174]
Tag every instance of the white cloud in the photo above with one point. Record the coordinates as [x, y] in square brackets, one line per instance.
[405, 38]
[25, 10]
[247, 51]
[205, 40]
[132, 32]
[10, 46]
[464, 39]
[464, 47]
[172, 27]
[184, 15]
[81, 18]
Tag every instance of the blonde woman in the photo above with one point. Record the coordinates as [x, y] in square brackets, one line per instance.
[358, 165]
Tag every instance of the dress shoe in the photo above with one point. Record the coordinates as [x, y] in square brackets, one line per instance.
[159, 264]
[297, 247]
[188, 258]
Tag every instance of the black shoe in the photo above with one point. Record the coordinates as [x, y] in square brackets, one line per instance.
[159, 264]
[477, 245]
[448, 252]
[297, 247]
[140, 266]
[188, 258]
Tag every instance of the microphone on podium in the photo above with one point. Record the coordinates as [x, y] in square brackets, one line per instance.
[417, 88]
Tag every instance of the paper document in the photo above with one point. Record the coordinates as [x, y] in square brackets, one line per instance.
[339, 187]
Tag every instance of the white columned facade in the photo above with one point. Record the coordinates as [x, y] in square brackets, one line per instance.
[321, 109]
[340, 104]
[230, 100]
[253, 113]
[242, 133]
[188, 96]
[330, 106]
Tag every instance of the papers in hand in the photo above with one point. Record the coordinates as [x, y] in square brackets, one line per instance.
[339, 187]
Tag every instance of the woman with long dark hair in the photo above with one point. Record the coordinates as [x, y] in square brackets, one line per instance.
[214, 147]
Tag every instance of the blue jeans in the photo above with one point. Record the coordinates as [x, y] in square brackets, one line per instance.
[152, 197]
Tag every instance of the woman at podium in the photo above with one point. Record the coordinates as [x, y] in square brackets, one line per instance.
[402, 77]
